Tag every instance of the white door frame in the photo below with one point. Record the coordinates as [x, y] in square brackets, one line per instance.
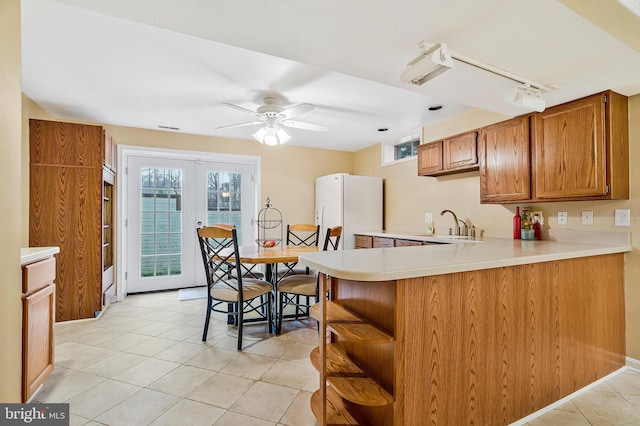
[124, 152]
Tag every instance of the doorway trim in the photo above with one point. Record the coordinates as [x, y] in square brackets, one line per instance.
[125, 151]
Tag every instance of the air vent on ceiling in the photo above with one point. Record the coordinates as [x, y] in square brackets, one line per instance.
[169, 128]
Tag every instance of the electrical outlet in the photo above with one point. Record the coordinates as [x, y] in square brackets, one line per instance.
[623, 217]
[428, 217]
[587, 217]
[562, 218]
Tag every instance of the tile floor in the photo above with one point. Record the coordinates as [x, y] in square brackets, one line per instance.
[143, 363]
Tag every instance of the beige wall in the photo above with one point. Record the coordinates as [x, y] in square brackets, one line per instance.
[408, 196]
[288, 172]
[10, 214]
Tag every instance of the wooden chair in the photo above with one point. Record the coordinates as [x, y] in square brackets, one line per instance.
[290, 289]
[227, 285]
[301, 234]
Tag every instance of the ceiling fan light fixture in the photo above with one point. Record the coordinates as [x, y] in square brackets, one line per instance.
[525, 96]
[271, 135]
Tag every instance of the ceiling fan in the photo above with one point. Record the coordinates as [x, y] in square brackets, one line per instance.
[273, 115]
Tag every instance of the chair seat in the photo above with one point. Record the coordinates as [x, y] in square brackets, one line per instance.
[298, 270]
[304, 285]
[251, 288]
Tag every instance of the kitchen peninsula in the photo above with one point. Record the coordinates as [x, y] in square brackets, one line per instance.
[482, 333]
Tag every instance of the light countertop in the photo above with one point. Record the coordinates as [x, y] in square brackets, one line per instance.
[380, 264]
[33, 254]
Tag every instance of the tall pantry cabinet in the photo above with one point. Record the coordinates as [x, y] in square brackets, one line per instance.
[71, 205]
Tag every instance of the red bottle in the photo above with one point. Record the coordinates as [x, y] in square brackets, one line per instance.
[517, 224]
[537, 230]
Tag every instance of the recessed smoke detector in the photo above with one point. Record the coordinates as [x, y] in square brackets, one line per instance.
[168, 128]
[435, 107]
[382, 129]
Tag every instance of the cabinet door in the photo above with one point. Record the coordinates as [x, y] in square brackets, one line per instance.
[505, 171]
[382, 242]
[570, 150]
[461, 151]
[430, 158]
[37, 339]
[108, 150]
[65, 210]
[58, 143]
[364, 241]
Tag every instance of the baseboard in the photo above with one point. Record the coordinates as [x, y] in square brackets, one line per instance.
[633, 363]
[558, 403]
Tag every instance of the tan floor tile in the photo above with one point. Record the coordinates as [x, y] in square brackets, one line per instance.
[274, 347]
[236, 419]
[602, 401]
[82, 359]
[181, 318]
[560, 418]
[313, 384]
[151, 346]
[221, 390]
[67, 387]
[192, 413]
[299, 352]
[181, 352]
[124, 342]
[181, 381]
[114, 365]
[182, 333]
[568, 407]
[156, 328]
[146, 372]
[77, 420]
[626, 383]
[288, 373]
[140, 409]
[213, 359]
[299, 413]
[265, 401]
[66, 349]
[249, 365]
[100, 398]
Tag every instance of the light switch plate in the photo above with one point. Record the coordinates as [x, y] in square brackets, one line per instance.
[587, 217]
[623, 217]
[428, 217]
[562, 218]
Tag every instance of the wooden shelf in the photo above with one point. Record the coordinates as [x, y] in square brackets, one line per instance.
[350, 326]
[337, 413]
[349, 381]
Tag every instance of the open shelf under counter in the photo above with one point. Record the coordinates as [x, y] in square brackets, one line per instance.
[337, 412]
[350, 326]
[348, 380]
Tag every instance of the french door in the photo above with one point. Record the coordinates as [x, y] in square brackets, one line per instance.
[167, 199]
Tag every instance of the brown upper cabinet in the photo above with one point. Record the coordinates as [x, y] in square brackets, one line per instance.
[110, 148]
[580, 149]
[505, 171]
[575, 151]
[452, 155]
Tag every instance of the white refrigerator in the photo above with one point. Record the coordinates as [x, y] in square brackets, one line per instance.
[353, 202]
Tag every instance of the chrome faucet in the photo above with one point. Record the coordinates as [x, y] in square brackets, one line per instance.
[456, 229]
[464, 229]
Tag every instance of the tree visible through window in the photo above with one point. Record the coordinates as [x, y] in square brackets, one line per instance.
[406, 149]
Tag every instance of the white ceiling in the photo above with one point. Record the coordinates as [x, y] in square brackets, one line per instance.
[144, 63]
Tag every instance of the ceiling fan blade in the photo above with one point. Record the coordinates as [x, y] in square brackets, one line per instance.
[304, 126]
[239, 108]
[297, 110]
[253, 123]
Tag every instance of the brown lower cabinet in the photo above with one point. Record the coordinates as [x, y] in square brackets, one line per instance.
[484, 347]
[38, 319]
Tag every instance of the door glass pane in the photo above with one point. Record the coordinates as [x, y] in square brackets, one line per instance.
[161, 222]
[224, 199]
